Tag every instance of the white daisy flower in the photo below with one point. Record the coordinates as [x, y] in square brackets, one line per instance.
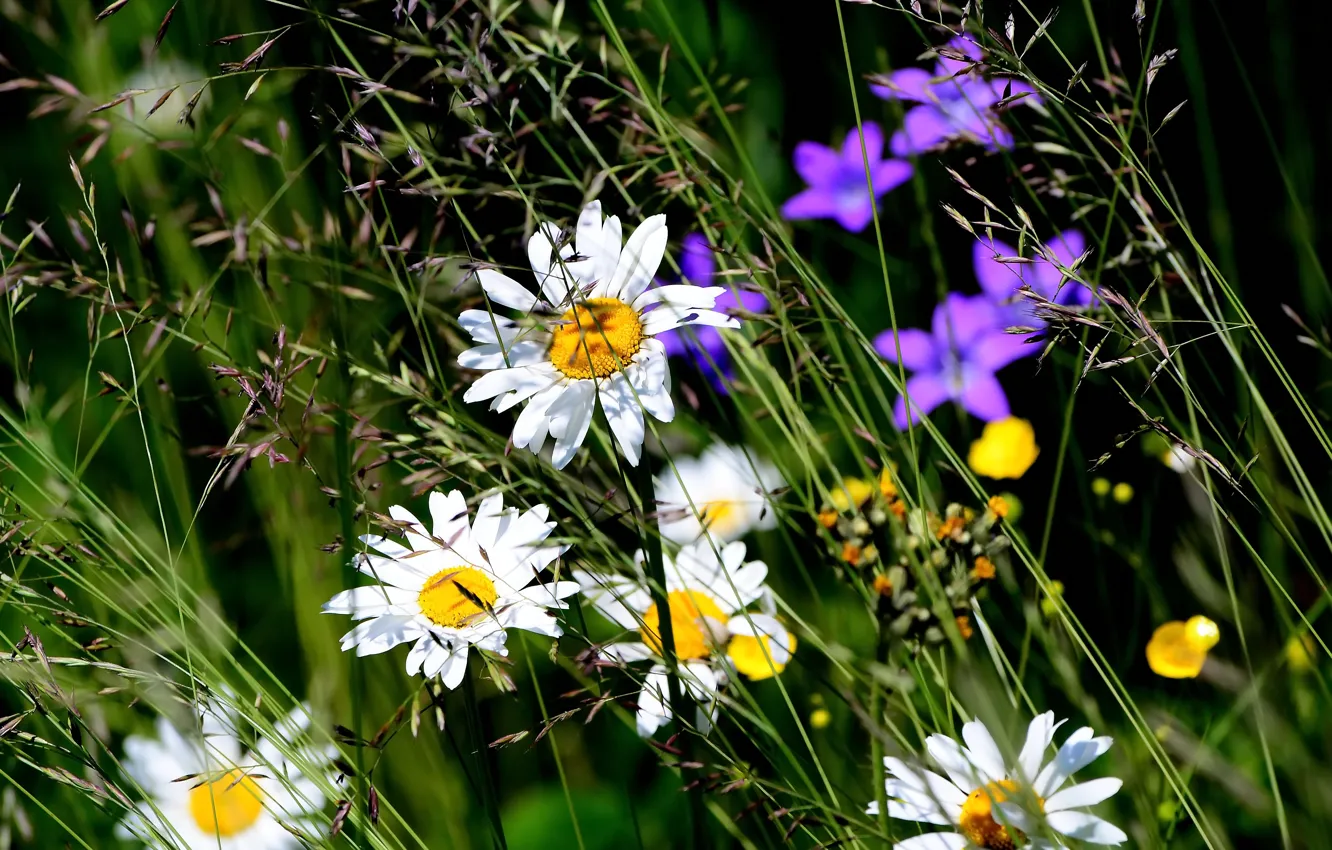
[1177, 459]
[709, 598]
[208, 795]
[979, 784]
[458, 585]
[730, 490]
[594, 337]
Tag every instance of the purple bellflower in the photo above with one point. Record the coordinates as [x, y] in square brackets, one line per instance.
[1000, 281]
[703, 345]
[837, 187]
[949, 106]
[955, 360]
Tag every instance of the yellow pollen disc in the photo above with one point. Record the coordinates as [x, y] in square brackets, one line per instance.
[226, 806]
[693, 636]
[977, 821]
[720, 516]
[752, 656]
[592, 337]
[457, 596]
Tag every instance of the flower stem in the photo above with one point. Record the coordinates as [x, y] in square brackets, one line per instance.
[656, 575]
[876, 745]
[481, 752]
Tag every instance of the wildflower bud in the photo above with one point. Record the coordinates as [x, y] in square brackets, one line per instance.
[1122, 493]
[1100, 487]
[998, 506]
[819, 718]
[1300, 653]
[851, 553]
[860, 526]
[982, 569]
[1049, 607]
[886, 485]
[870, 553]
[877, 516]
[828, 518]
[938, 558]
[883, 585]
[964, 626]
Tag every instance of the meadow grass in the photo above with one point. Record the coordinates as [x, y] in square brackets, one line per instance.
[230, 345]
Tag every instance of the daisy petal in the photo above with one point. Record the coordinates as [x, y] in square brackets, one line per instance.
[1078, 751]
[1086, 827]
[1084, 794]
[949, 755]
[933, 841]
[1040, 732]
[503, 289]
[639, 261]
[983, 751]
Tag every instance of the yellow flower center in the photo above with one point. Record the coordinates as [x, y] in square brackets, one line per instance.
[596, 339]
[722, 516]
[694, 637]
[457, 597]
[752, 656]
[977, 821]
[227, 806]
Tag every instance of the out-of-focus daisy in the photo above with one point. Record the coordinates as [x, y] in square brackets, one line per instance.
[1006, 449]
[1178, 459]
[207, 794]
[837, 185]
[730, 490]
[709, 599]
[996, 806]
[1178, 649]
[455, 585]
[703, 344]
[589, 335]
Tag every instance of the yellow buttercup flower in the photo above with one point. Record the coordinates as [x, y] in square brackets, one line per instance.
[819, 718]
[850, 494]
[1122, 493]
[1007, 449]
[1178, 649]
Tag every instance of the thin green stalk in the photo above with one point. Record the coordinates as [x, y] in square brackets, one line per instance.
[656, 576]
[485, 768]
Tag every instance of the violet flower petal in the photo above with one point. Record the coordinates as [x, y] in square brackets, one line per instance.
[983, 397]
[923, 127]
[816, 202]
[927, 390]
[919, 352]
[697, 264]
[817, 165]
[906, 84]
[962, 320]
